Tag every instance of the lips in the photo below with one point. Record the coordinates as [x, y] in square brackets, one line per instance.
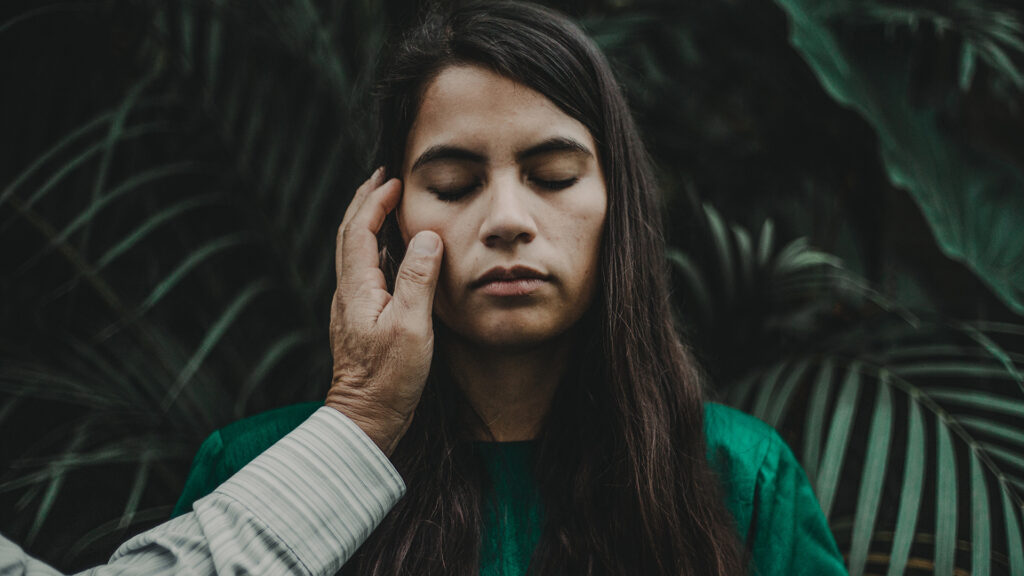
[499, 273]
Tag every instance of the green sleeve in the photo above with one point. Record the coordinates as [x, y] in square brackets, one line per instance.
[229, 449]
[204, 476]
[789, 534]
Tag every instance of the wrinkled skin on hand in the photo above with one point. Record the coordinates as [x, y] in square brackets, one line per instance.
[382, 344]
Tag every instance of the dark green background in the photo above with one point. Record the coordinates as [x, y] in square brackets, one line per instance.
[843, 190]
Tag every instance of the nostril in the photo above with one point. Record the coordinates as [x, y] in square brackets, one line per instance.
[511, 238]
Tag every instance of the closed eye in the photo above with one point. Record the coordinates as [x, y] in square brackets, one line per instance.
[456, 194]
[555, 184]
[452, 194]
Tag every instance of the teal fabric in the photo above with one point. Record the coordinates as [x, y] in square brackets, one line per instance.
[512, 516]
[776, 512]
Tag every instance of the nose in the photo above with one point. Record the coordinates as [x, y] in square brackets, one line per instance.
[508, 219]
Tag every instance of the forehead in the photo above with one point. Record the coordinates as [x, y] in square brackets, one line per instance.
[473, 107]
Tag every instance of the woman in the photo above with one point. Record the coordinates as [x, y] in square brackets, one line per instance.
[525, 378]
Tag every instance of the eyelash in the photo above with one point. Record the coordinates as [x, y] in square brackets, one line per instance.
[456, 194]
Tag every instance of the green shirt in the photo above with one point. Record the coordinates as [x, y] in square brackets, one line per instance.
[776, 512]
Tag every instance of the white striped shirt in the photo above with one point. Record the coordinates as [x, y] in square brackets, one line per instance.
[302, 507]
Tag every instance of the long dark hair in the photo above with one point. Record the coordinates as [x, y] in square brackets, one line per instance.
[620, 465]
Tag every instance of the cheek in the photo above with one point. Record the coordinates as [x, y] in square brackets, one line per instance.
[588, 225]
[408, 229]
[418, 212]
[586, 238]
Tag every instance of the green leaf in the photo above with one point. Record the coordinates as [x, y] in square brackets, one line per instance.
[910, 491]
[135, 496]
[745, 252]
[1011, 457]
[138, 180]
[980, 536]
[260, 98]
[116, 129]
[799, 256]
[944, 369]
[834, 455]
[194, 259]
[766, 390]
[325, 186]
[968, 64]
[64, 143]
[738, 393]
[697, 288]
[213, 45]
[1014, 544]
[766, 243]
[781, 402]
[162, 216]
[872, 479]
[945, 501]
[290, 190]
[213, 336]
[69, 166]
[150, 515]
[973, 203]
[981, 400]
[8, 407]
[985, 425]
[996, 350]
[86, 217]
[277, 351]
[45, 382]
[58, 473]
[821, 391]
[724, 250]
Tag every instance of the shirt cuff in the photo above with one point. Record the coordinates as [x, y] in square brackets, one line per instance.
[322, 489]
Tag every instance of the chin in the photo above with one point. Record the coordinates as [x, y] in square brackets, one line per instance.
[509, 331]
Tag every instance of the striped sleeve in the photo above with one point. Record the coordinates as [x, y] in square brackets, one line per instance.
[302, 507]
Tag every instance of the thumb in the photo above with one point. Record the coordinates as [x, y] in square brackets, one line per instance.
[417, 278]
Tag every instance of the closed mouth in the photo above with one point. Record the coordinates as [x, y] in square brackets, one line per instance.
[498, 274]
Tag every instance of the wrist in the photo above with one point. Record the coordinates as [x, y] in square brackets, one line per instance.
[382, 431]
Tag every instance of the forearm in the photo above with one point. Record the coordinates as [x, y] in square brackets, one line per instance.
[302, 507]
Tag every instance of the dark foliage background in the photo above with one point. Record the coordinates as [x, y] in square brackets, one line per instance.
[844, 192]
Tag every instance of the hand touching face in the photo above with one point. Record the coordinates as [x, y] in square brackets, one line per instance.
[514, 187]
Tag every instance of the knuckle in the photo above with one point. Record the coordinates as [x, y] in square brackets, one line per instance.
[413, 272]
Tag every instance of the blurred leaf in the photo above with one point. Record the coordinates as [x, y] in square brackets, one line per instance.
[945, 500]
[910, 491]
[834, 455]
[269, 359]
[213, 336]
[973, 203]
[872, 478]
[1014, 543]
[816, 418]
[86, 541]
[58, 473]
[980, 535]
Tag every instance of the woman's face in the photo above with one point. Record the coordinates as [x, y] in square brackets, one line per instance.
[507, 180]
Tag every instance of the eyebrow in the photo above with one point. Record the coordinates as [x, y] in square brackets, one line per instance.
[448, 152]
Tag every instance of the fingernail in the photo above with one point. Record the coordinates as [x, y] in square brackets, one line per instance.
[425, 244]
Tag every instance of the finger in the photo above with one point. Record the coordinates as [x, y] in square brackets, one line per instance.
[416, 282]
[372, 183]
[356, 253]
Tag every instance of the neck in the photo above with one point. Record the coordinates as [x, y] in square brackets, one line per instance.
[510, 389]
